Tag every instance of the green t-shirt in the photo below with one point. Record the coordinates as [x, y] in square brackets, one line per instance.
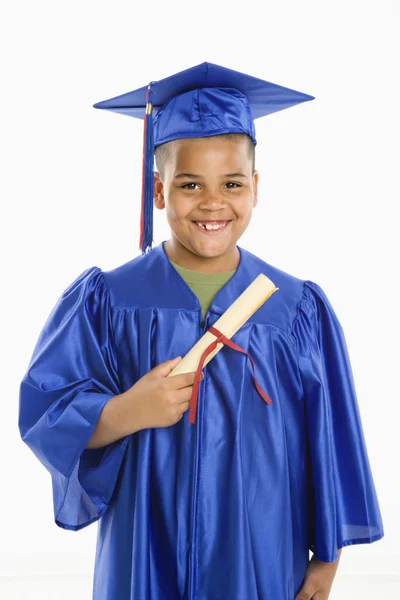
[204, 285]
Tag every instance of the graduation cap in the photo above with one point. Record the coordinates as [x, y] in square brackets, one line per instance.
[202, 101]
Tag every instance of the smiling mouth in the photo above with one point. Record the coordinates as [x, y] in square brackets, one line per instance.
[211, 226]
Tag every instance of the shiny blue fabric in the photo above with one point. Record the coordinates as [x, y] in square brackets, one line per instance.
[264, 97]
[228, 507]
[204, 112]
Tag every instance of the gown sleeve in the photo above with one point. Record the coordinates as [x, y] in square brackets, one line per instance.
[71, 376]
[344, 506]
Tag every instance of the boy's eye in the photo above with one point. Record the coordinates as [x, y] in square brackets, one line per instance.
[233, 183]
[187, 184]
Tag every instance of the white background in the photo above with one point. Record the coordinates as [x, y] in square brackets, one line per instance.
[70, 199]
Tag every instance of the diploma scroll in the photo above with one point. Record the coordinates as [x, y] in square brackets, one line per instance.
[229, 323]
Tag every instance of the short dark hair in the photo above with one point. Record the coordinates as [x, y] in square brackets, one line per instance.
[161, 153]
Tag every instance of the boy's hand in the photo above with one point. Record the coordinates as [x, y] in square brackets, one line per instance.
[318, 579]
[158, 400]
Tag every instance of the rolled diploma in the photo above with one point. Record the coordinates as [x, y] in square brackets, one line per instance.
[229, 323]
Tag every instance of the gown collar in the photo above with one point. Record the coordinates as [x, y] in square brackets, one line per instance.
[225, 296]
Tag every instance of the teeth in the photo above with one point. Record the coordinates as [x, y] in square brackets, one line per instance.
[210, 227]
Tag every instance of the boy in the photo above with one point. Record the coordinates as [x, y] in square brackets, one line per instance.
[227, 507]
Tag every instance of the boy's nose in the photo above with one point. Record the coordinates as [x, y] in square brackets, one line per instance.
[212, 201]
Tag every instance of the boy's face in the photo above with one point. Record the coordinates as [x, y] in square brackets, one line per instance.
[207, 179]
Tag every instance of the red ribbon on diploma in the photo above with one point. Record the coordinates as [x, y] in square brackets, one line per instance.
[220, 338]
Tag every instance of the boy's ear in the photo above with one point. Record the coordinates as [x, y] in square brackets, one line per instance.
[255, 188]
[158, 191]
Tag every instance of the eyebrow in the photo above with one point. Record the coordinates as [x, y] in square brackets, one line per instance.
[193, 176]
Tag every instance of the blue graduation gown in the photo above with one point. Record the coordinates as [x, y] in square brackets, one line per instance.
[230, 506]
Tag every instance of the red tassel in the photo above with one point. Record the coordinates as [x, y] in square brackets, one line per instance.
[143, 174]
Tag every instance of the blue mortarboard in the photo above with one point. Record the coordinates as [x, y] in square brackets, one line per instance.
[202, 101]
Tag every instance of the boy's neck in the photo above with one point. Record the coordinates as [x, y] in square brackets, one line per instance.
[220, 264]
